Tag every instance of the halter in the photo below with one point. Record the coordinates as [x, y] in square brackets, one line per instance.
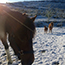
[26, 52]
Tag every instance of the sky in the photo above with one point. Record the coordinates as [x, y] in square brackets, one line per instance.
[21, 0]
[4, 1]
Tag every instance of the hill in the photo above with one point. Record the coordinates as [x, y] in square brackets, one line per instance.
[45, 11]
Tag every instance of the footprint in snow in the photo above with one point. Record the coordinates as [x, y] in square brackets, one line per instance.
[63, 45]
[0, 62]
[42, 51]
[3, 54]
[34, 42]
[55, 63]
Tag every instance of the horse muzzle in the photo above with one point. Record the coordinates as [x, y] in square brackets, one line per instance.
[27, 59]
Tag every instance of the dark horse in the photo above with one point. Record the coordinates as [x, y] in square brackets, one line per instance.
[21, 30]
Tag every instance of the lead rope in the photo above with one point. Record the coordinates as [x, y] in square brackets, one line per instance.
[18, 21]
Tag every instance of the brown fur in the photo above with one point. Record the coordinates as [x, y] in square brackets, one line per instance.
[45, 29]
[50, 27]
[20, 36]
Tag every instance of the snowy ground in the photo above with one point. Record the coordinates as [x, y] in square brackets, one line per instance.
[49, 48]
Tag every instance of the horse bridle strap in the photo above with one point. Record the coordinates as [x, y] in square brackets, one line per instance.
[25, 52]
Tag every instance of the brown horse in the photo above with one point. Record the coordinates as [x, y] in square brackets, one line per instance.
[21, 30]
[45, 29]
[50, 27]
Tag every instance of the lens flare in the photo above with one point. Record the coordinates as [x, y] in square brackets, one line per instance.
[3, 1]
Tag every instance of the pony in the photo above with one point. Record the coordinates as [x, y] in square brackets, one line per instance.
[45, 29]
[50, 27]
[20, 30]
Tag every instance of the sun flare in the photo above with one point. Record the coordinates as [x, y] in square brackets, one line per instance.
[3, 1]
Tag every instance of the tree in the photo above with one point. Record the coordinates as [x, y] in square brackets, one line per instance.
[49, 14]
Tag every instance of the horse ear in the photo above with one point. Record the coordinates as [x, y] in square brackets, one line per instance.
[33, 18]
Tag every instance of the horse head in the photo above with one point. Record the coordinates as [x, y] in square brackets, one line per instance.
[28, 54]
[22, 41]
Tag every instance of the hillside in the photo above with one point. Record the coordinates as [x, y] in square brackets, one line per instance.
[45, 11]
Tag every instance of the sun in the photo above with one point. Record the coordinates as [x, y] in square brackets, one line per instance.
[3, 1]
